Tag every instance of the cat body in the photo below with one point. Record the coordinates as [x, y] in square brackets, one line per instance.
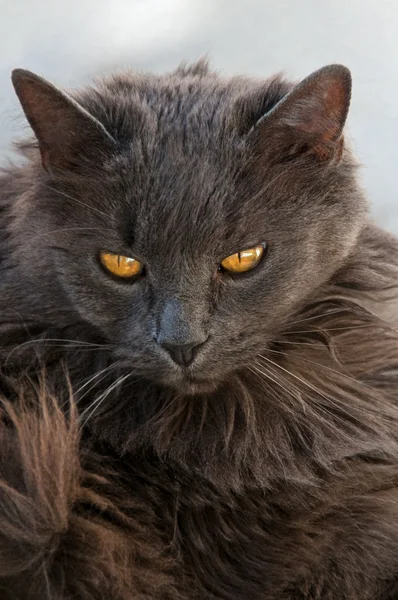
[198, 346]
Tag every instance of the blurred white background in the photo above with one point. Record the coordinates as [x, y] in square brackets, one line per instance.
[68, 41]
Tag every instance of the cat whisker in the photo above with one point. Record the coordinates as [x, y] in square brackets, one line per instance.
[174, 400]
[77, 201]
[94, 377]
[257, 371]
[98, 378]
[312, 344]
[320, 316]
[328, 399]
[312, 362]
[72, 342]
[94, 406]
[301, 396]
[327, 329]
[310, 386]
[269, 185]
[66, 344]
[63, 229]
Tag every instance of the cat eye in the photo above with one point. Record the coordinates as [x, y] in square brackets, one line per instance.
[121, 266]
[243, 261]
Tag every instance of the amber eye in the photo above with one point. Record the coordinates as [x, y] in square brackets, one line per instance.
[121, 266]
[242, 261]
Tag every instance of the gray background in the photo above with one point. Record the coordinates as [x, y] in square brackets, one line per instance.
[69, 41]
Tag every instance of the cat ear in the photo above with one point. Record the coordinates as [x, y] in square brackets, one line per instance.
[67, 134]
[310, 118]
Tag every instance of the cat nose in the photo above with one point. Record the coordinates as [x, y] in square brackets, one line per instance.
[184, 354]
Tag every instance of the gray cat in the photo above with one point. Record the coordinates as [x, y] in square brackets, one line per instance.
[198, 360]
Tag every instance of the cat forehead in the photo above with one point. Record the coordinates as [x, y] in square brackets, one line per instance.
[176, 146]
[165, 95]
[179, 143]
[179, 104]
[182, 155]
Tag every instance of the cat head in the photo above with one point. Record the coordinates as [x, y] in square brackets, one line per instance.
[186, 217]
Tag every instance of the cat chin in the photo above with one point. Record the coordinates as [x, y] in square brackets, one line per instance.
[196, 387]
[191, 386]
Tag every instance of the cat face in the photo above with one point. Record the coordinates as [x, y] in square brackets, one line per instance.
[187, 218]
